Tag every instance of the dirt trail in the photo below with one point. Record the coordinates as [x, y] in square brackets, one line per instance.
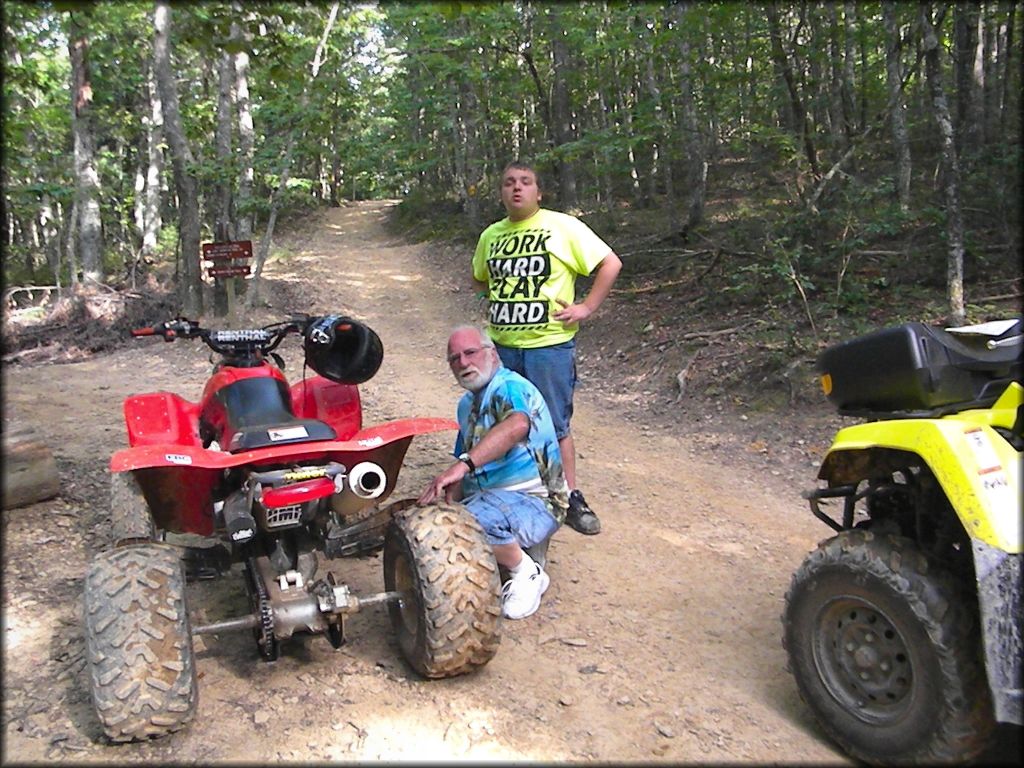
[658, 640]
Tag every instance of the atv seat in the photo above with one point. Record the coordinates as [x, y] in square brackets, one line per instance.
[971, 354]
[259, 413]
[280, 433]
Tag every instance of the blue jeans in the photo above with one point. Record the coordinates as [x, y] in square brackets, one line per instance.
[552, 370]
[508, 516]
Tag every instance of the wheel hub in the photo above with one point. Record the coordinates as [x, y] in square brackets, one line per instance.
[863, 660]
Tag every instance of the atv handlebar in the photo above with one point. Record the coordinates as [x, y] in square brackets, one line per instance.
[171, 329]
[336, 346]
[232, 343]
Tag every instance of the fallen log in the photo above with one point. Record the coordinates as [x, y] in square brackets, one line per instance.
[29, 471]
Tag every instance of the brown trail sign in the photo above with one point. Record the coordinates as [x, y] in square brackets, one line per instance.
[228, 259]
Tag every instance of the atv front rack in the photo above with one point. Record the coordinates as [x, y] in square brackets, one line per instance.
[850, 498]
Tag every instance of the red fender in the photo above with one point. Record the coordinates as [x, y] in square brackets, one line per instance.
[161, 418]
[196, 457]
[164, 418]
[177, 478]
[330, 402]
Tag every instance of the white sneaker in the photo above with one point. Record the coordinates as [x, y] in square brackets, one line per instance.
[520, 595]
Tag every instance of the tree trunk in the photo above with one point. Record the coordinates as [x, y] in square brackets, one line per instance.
[561, 112]
[154, 169]
[965, 28]
[796, 107]
[29, 470]
[87, 180]
[465, 108]
[139, 208]
[286, 164]
[664, 130]
[1006, 66]
[455, 112]
[693, 144]
[603, 158]
[27, 236]
[337, 182]
[474, 175]
[190, 295]
[954, 215]
[51, 237]
[750, 82]
[70, 249]
[894, 79]
[222, 229]
[626, 116]
[989, 92]
[835, 91]
[246, 137]
[817, 65]
[849, 89]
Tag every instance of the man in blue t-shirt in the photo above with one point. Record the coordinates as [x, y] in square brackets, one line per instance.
[509, 469]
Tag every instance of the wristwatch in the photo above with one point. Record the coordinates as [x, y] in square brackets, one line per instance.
[464, 457]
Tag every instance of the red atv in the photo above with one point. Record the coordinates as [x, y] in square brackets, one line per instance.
[275, 476]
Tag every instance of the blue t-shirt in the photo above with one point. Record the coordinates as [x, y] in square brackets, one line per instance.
[532, 467]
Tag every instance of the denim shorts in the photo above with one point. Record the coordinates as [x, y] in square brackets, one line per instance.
[508, 516]
[553, 371]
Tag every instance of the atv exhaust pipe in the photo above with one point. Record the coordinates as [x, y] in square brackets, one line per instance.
[367, 480]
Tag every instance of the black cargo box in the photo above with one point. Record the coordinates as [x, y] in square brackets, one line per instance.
[914, 368]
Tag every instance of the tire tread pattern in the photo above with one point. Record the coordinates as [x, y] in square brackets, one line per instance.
[459, 585]
[139, 642]
[129, 514]
[940, 603]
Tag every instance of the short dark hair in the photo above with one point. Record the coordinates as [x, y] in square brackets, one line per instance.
[523, 165]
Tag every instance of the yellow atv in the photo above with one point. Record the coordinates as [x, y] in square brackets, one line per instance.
[903, 630]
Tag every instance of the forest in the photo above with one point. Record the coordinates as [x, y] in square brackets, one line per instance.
[830, 159]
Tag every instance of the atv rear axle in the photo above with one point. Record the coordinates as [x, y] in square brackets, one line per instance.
[354, 605]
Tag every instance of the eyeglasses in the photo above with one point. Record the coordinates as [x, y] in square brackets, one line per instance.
[471, 352]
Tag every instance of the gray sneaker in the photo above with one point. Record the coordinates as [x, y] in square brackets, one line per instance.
[580, 517]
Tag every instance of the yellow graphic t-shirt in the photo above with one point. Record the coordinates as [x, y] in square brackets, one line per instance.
[529, 264]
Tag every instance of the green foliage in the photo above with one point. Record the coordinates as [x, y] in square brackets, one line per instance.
[427, 100]
[422, 216]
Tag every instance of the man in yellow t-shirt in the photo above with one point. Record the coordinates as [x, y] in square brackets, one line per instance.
[528, 263]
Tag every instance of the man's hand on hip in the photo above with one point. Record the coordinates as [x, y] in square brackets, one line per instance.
[571, 314]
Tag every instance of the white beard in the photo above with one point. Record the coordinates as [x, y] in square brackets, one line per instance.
[476, 378]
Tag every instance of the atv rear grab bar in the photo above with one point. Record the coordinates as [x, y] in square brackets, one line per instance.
[1009, 341]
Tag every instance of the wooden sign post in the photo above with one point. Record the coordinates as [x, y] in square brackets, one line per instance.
[228, 260]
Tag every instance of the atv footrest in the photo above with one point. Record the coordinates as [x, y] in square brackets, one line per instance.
[203, 563]
[359, 538]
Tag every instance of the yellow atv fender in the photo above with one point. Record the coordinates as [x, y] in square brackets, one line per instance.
[979, 471]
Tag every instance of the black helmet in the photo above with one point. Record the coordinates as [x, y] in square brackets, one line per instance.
[342, 349]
